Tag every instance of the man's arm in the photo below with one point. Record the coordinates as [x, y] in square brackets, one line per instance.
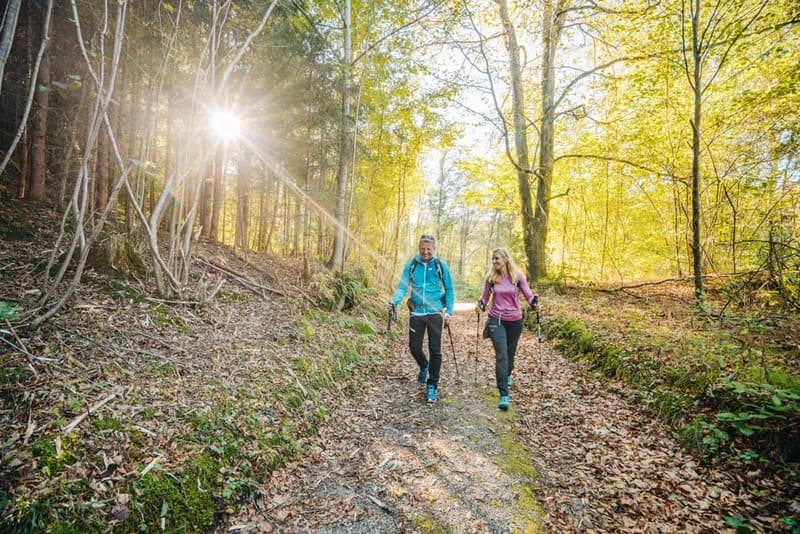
[449, 292]
[402, 286]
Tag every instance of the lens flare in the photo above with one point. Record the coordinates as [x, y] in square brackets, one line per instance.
[226, 125]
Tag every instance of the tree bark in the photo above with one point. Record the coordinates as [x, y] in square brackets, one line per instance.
[337, 259]
[29, 101]
[529, 224]
[7, 37]
[38, 179]
[243, 203]
[697, 81]
[552, 25]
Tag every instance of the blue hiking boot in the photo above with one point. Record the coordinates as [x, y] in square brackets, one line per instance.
[510, 381]
[431, 394]
[504, 402]
[422, 377]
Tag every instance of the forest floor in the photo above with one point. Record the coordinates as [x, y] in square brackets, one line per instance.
[121, 387]
[573, 454]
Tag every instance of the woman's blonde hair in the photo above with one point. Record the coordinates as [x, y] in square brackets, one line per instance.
[513, 272]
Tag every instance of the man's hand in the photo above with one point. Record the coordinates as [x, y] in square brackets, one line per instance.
[446, 319]
[392, 310]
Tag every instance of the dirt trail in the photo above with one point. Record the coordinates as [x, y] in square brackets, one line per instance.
[573, 454]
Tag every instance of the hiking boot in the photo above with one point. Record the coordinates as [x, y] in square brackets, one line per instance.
[510, 381]
[504, 402]
[431, 394]
[422, 377]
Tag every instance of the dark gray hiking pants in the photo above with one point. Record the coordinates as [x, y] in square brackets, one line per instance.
[417, 326]
[505, 336]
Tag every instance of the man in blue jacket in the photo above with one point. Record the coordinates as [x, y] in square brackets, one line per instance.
[427, 280]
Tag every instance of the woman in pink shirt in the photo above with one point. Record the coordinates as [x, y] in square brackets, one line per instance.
[503, 285]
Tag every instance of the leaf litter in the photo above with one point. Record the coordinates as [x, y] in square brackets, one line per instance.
[586, 458]
[389, 463]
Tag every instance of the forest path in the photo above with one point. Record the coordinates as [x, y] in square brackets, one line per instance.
[572, 454]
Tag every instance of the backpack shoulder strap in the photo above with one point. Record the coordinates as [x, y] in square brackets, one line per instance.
[439, 269]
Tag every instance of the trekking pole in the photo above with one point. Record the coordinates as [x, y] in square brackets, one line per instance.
[539, 339]
[453, 348]
[477, 343]
[392, 316]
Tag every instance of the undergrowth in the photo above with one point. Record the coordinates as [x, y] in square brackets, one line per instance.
[712, 392]
[221, 451]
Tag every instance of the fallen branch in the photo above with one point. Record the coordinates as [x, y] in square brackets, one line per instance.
[75, 422]
[149, 466]
[238, 277]
[304, 294]
[643, 284]
[288, 368]
[21, 348]
[380, 503]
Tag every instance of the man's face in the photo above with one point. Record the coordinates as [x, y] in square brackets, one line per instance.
[426, 250]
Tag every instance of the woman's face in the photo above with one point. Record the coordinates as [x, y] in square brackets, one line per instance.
[498, 261]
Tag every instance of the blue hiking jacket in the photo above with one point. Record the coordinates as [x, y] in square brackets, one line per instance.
[426, 288]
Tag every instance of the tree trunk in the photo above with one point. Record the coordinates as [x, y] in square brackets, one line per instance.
[551, 33]
[216, 200]
[101, 176]
[7, 37]
[337, 259]
[39, 134]
[242, 240]
[22, 130]
[529, 234]
[697, 95]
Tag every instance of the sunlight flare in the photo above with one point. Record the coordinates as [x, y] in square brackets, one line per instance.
[226, 125]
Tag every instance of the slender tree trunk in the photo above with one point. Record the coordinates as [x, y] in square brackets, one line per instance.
[242, 203]
[262, 213]
[217, 193]
[337, 259]
[552, 24]
[132, 124]
[102, 177]
[697, 94]
[273, 216]
[7, 37]
[205, 201]
[39, 135]
[529, 235]
[45, 34]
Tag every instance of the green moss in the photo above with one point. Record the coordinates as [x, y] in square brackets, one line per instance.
[199, 482]
[162, 370]
[106, 423]
[186, 503]
[9, 375]
[695, 395]
[53, 458]
[528, 512]
[234, 297]
[429, 525]
[515, 459]
[162, 316]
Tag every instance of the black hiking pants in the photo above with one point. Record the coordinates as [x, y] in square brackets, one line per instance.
[505, 336]
[417, 326]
